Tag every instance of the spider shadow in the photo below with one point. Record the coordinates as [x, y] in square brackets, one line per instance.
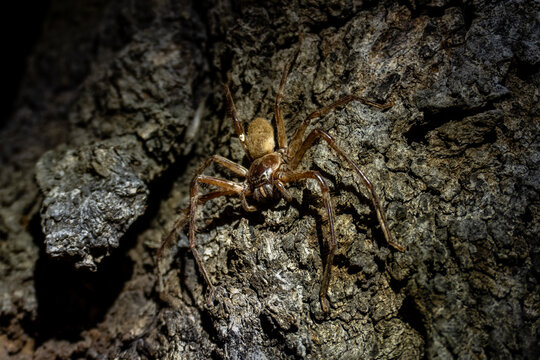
[311, 205]
[183, 260]
[369, 220]
[231, 214]
[185, 289]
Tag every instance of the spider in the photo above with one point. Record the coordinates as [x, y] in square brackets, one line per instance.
[271, 168]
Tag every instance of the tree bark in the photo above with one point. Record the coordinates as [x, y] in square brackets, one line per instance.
[122, 102]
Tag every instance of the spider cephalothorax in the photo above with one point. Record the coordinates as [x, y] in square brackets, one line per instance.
[271, 168]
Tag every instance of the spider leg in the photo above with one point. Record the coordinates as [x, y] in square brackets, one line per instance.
[231, 165]
[299, 134]
[182, 218]
[281, 188]
[166, 244]
[315, 134]
[291, 177]
[238, 127]
[282, 135]
[230, 187]
[247, 206]
[178, 225]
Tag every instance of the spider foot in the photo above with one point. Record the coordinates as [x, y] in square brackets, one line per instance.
[396, 246]
[324, 304]
[210, 295]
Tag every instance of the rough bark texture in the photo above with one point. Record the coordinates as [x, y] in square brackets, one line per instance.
[98, 157]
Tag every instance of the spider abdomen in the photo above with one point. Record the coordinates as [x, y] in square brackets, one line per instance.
[261, 176]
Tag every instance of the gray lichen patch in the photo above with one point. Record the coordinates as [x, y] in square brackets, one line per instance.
[92, 196]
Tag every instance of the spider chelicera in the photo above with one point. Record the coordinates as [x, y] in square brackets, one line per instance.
[270, 170]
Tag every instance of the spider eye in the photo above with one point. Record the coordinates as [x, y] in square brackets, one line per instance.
[260, 138]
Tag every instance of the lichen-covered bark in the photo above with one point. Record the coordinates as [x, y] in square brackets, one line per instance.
[98, 158]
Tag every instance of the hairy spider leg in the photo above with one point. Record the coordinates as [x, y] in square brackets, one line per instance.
[293, 177]
[308, 143]
[182, 219]
[228, 185]
[179, 224]
[223, 161]
[284, 192]
[247, 206]
[280, 125]
[296, 141]
[238, 127]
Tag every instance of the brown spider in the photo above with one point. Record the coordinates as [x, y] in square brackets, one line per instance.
[270, 170]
